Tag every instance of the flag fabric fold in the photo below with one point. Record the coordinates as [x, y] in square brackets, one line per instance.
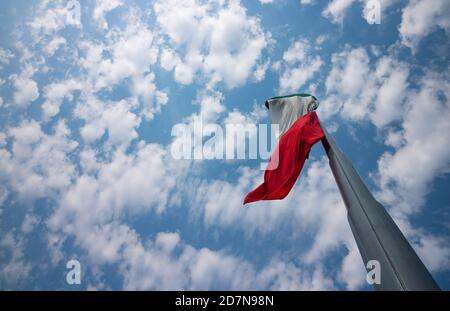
[290, 154]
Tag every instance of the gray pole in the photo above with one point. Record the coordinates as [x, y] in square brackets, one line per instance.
[376, 234]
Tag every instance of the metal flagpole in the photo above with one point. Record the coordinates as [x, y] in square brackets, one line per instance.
[376, 234]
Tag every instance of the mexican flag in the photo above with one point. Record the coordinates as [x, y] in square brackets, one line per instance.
[299, 131]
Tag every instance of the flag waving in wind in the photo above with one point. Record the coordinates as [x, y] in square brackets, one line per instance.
[299, 131]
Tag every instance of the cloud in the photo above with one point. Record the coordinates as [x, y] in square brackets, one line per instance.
[298, 67]
[434, 251]
[54, 95]
[121, 57]
[421, 129]
[217, 39]
[26, 89]
[102, 7]
[421, 18]
[127, 58]
[128, 184]
[167, 263]
[98, 176]
[421, 140]
[336, 10]
[266, 1]
[54, 45]
[14, 269]
[5, 57]
[314, 207]
[38, 164]
[29, 223]
[352, 272]
[359, 90]
[51, 17]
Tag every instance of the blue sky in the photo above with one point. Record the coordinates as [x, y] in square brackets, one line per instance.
[87, 106]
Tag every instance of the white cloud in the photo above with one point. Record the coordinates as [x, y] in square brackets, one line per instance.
[2, 139]
[167, 263]
[336, 10]
[296, 52]
[102, 7]
[352, 273]
[298, 67]
[424, 133]
[127, 58]
[321, 39]
[38, 166]
[112, 182]
[128, 184]
[54, 45]
[120, 123]
[5, 57]
[14, 269]
[26, 90]
[54, 95]
[394, 138]
[420, 18]
[314, 207]
[128, 53]
[51, 17]
[217, 39]
[434, 251]
[168, 59]
[29, 223]
[260, 71]
[115, 118]
[362, 91]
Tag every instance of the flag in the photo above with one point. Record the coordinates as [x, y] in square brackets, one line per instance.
[299, 131]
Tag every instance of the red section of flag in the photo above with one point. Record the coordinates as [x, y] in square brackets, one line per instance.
[291, 152]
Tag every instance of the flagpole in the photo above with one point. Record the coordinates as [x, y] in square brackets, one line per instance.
[376, 234]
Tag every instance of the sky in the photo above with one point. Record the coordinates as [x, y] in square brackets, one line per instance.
[88, 103]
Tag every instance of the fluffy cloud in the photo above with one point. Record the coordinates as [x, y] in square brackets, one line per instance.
[54, 95]
[5, 57]
[167, 263]
[54, 45]
[313, 207]
[128, 184]
[298, 67]
[359, 90]
[336, 9]
[93, 210]
[102, 7]
[127, 53]
[26, 89]
[405, 175]
[132, 52]
[97, 186]
[38, 164]
[420, 18]
[217, 39]
[14, 268]
[425, 126]
[52, 16]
